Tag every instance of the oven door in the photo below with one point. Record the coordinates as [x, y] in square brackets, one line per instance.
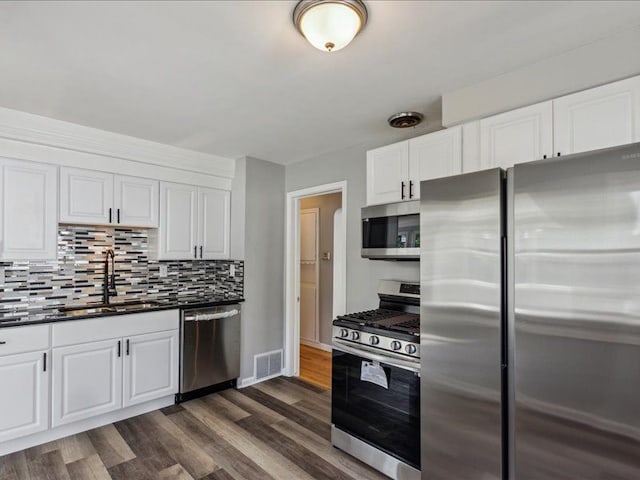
[387, 418]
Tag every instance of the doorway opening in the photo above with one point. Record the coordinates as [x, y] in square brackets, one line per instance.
[315, 273]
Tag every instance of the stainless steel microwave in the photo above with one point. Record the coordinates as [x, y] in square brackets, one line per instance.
[391, 231]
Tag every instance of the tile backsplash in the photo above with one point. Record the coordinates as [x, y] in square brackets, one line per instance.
[76, 277]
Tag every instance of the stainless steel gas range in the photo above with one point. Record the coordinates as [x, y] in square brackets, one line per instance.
[375, 407]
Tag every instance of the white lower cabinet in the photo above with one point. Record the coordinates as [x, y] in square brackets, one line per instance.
[87, 380]
[24, 402]
[150, 367]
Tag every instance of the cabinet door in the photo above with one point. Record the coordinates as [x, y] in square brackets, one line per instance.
[597, 118]
[434, 155]
[28, 226]
[86, 196]
[387, 172]
[150, 367]
[471, 147]
[87, 381]
[214, 209]
[24, 403]
[518, 136]
[136, 201]
[177, 232]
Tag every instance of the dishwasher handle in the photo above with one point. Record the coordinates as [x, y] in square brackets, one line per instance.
[199, 317]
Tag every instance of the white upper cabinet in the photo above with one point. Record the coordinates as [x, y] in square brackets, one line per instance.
[99, 198]
[178, 231]
[518, 136]
[394, 172]
[136, 201]
[388, 174]
[434, 155]
[86, 196]
[597, 118]
[194, 222]
[214, 221]
[28, 226]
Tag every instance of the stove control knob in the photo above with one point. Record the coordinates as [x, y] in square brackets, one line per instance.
[373, 340]
[396, 345]
[355, 335]
[344, 332]
[410, 349]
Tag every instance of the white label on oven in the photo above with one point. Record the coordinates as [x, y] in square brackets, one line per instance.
[374, 373]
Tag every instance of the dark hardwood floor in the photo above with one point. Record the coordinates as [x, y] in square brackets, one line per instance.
[274, 430]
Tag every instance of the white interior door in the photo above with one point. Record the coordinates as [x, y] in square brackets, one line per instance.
[309, 275]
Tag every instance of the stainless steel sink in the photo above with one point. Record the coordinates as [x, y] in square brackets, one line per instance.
[108, 308]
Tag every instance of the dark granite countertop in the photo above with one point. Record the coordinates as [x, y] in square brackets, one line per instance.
[58, 314]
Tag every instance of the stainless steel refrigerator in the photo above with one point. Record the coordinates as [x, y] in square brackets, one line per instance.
[530, 320]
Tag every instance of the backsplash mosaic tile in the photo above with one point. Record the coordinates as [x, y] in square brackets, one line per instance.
[77, 276]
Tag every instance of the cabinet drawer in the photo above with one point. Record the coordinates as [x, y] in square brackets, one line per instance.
[116, 326]
[23, 339]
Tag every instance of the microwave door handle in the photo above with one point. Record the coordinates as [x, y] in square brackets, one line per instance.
[369, 355]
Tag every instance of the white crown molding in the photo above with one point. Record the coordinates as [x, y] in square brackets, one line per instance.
[27, 127]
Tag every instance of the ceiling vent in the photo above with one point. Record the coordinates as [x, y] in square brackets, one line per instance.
[405, 119]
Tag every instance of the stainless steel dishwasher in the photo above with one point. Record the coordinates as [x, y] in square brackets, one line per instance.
[209, 350]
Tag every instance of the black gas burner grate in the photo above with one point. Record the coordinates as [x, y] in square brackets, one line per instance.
[370, 316]
[414, 323]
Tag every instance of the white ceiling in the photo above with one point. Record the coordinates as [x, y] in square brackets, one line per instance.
[235, 78]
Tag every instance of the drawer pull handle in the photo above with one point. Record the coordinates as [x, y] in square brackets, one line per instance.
[44, 362]
[2, 342]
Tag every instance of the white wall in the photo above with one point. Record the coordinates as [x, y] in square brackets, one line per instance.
[362, 275]
[263, 311]
[604, 61]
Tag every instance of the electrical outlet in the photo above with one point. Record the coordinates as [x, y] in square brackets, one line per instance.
[232, 270]
[164, 270]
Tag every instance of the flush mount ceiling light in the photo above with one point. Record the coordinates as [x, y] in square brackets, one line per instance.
[405, 119]
[330, 25]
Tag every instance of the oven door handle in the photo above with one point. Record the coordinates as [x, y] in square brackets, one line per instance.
[369, 355]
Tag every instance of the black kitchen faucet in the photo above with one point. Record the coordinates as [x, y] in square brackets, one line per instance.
[109, 284]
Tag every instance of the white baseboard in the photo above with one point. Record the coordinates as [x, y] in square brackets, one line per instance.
[247, 382]
[318, 345]
[62, 431]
